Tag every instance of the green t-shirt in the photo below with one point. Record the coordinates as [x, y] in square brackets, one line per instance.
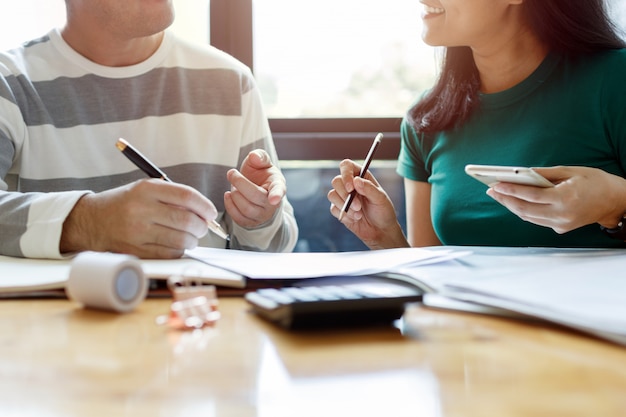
[568, 112]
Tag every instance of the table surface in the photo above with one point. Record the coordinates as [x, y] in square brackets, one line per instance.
[58, 359]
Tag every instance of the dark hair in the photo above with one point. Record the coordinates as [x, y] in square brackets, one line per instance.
[568, 27]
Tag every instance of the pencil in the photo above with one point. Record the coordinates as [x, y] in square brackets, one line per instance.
[364, 168]
[153, 171]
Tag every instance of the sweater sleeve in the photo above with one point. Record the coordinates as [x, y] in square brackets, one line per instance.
[280, 234]
[31, 223]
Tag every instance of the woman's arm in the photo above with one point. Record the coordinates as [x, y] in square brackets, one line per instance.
[418, 221]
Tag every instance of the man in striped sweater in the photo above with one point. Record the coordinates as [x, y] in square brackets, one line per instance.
[114, 71]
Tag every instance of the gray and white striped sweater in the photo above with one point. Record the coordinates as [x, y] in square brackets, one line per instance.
[192, 109]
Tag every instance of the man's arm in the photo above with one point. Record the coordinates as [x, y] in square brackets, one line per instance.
[31, 223]
[264, 219]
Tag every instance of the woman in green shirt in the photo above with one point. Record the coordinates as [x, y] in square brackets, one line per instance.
[539, 83]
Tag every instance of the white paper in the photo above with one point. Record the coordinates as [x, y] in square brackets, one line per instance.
[584, 289]
[298, 265]
[588, 291]
[20, 274]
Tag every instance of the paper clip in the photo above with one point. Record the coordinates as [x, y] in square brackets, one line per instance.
[194, 304]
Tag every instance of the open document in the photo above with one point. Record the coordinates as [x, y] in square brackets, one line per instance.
[20, 275]
[301, 265]
[228, 268]
[588, 294]
[584, 289]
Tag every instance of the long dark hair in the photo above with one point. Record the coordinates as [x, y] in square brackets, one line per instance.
[568, 27]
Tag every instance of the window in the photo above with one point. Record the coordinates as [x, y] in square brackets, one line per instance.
[28, 19]
[617, 8]
[348, 58]
[332, 73]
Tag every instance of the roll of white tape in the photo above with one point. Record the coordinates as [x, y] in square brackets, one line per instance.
[107, 281]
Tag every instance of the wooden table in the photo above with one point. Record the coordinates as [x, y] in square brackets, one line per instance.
[57, 359]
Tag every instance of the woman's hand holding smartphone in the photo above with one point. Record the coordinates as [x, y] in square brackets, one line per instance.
[492, 174]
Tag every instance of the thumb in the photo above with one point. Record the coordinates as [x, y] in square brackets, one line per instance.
[553, 174]
[259, 159]
[368, 190]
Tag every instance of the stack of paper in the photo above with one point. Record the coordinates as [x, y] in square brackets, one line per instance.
[588, 294]
[291, 266]
[19, 275]
[229, 268]
[584, 289]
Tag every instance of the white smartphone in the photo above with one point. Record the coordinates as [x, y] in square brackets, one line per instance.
[491, 174]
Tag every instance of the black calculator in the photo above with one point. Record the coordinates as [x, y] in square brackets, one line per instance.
[334, 301]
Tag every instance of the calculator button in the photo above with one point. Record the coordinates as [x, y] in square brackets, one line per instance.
[263, 302]
[342, 292]
[300, 294]
[378, 290]
[276, 295]
[322, 293]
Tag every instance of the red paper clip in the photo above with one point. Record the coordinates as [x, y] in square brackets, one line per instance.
[194, 304]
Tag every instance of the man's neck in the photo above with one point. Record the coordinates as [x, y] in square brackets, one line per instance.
[107, 50]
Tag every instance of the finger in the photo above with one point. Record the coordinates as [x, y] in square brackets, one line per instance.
[528, 193]
[348, 217]
[255, 194]
[348, 170]
[153, 252]
[231, 207]
[370, 177]
[558, 227]
[258, 159]
[338, 202]
[339, 186]
[334, 198]
[241, 211]
[144, 206]
[174, 206]
[185, 197]
[276, 186]
[245, 207]
[174, 239]
[182, 220]
[369, 190]
[522, 208]
[159, 242]
[555, 174]
[159, 252]
[177, 208]
[276, 192]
